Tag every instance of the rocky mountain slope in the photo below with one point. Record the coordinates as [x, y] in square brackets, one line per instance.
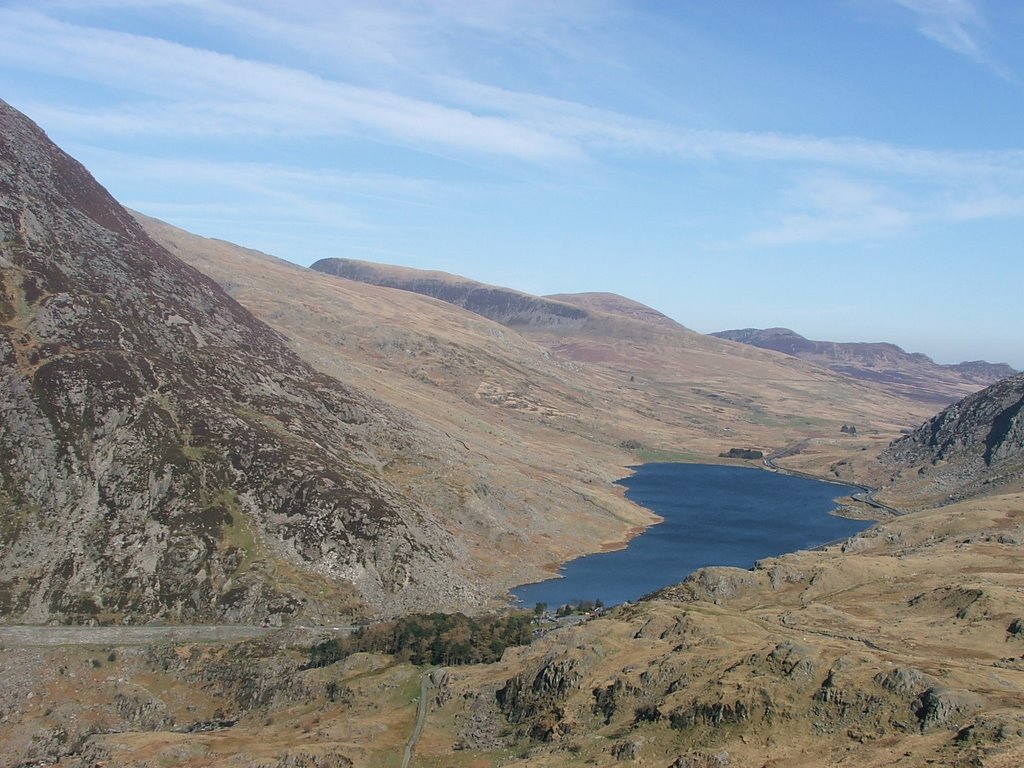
[549, 414]
[903, 646]
[972, 446]
[906, 373]
[163, 454]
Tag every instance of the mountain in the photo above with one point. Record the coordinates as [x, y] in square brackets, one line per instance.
[910, 374]
[163, 454]
[166, 455]
[972, 446]
[614, 304]
[560, 407]
[502, 305]
[903, 645]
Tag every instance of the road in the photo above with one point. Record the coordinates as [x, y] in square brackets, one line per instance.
[421, 717]
[23, 635]
[866, 495]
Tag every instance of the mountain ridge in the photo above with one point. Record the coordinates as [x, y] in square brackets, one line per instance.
[503, 305]
[910, 373]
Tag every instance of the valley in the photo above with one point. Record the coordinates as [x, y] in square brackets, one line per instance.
[194, 433]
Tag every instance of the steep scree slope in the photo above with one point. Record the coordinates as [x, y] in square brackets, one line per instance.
[162, 453]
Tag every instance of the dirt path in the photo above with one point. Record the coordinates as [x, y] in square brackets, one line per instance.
[421, 717]
[22, 636]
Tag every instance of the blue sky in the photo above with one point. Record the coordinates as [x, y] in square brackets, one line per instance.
[851, 169]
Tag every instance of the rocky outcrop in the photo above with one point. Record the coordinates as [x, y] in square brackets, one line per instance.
[162, 453]
[535, 702]
[982, 371]
[942, 708]
[305, 759]
[970, 446]
[715, 584]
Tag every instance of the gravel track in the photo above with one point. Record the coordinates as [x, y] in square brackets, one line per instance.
[29, 636]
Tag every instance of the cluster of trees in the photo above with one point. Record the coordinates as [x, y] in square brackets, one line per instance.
[574, 606]
[435, 638]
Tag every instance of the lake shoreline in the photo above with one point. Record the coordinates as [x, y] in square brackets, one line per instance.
[695, 530]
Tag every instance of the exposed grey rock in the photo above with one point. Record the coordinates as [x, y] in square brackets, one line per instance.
[904, 681]
[304, 759]
[702, 760]
[608, 699]
[535, 703]
[718, 713]
[972, 444]
[794, 662]
[946, 708]
[163, 455]
[716, 584]
[626, 750]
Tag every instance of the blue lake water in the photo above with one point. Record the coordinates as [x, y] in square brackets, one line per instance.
[714, 515]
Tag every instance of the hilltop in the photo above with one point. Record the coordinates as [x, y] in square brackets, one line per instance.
[503, 305]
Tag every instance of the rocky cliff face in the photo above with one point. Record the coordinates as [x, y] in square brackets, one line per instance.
[973, 445]
[162, 453]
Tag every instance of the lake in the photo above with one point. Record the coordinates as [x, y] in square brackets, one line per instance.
[714, 515]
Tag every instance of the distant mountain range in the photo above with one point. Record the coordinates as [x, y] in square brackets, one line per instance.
[908, 373]
[569, 324]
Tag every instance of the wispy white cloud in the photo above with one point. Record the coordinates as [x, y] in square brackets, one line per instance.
[181, 90]
[984, 206]
[597, 130]
[959, 26]
[834, 209]
[328, 197]
[192, 90]
[419, 98]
